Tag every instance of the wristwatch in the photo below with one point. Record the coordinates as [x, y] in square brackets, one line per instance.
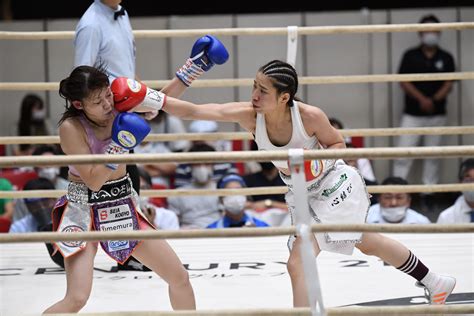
[268, 203]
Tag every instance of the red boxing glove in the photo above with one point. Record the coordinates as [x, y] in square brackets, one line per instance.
[132, 95]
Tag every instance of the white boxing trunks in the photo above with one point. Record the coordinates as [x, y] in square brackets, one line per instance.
[338, 196]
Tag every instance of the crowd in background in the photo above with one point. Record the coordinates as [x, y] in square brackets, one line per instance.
[209, 211]
[425, 105]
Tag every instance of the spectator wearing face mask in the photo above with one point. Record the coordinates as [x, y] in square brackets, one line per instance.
[462, 211]
[51, 173]
[233, 206]
[184, 175]
[394, 208]
[425, 102]
[200, 210]
[33, 122]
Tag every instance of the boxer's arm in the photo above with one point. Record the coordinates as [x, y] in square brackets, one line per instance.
[205, 53]
[73, 140]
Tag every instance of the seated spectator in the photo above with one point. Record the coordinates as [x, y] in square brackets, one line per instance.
[233, 206]
[6, 207]
[38, 215]
[161, 217]
[201, 126]
[165, 123]
[32, 122]
[183, 174]
[201, 210]
[38, 210]
[51, 173]
[162, 174]
[394, 208]
[462, 211]
[362, 164]
[266, 177]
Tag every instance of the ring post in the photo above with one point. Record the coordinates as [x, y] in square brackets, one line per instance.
[292, 45]
[302, 222]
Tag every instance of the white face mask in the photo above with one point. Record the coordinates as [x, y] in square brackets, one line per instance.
[201, 174]
[430, 39]
[38, 115]
[393, 214]
[234, 203]
[49, 173]
[468, 196]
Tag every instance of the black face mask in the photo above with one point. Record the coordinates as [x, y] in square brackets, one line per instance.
[40, 209]
[266, 165]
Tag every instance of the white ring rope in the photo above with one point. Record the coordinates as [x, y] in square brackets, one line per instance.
[225, 232]
[302, 30]
[382, 153]
[202, 157]
[364, 132]
[208, 83]
[304, 311]
[374, 189]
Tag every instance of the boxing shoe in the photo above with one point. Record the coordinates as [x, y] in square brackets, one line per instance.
[437, 287]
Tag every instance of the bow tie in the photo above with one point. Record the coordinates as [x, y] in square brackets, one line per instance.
[119, 13]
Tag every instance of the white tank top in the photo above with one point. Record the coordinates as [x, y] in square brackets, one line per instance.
[299, 137]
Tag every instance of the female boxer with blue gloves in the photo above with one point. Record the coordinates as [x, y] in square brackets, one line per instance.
[101, 197]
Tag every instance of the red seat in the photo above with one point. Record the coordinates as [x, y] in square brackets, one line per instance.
[158, 201]
[4, 224]
[357, 141]
[18, 178]
[237, 145]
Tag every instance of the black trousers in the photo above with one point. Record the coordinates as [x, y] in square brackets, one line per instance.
[134, 176]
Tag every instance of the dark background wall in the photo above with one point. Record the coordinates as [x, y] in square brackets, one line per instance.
[55, 9]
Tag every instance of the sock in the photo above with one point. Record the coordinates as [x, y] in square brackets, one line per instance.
[430, 279]
[414, 267]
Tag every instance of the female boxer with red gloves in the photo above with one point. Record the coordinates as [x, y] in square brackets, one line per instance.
[101, 197]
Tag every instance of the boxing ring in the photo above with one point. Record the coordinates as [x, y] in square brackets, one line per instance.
[237, 272]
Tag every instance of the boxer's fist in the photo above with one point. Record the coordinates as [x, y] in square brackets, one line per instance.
[129, 130]
[206, 52]
[132, 95]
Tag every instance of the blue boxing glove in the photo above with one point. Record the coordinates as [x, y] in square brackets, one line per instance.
[128, 130]
[206, 52]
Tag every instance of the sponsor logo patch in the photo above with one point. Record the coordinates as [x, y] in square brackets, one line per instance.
[115, 245]
[126, 139]
[114, 213]
[337, 185]
[72, 229]
[134, 85]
